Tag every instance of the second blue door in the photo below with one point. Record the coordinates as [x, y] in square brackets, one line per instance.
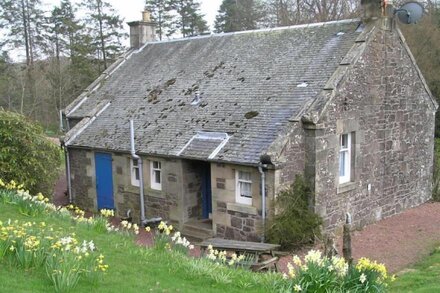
[104, 181]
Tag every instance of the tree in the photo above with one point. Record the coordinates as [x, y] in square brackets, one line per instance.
[105, 27]
[23, 20]
[26, 155]
[290, 12]
[70, 57]
[160, 13]
[238, 15]
[189, 20]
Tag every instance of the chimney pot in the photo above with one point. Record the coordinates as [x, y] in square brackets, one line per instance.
[146, 16]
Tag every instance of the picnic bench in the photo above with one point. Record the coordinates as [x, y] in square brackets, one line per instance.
[260, 251]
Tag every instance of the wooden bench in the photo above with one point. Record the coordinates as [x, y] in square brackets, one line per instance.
[259, 250]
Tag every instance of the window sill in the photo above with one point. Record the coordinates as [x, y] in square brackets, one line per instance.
[154, 193]
[241, 208]
[345, 187]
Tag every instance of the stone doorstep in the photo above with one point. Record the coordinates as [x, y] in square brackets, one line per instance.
[197, 231]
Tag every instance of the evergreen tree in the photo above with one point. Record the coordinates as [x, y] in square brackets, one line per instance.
[106, 29]
[160, 13]
[70, 67]
[238, 15]
[23, 20]
[190, 21]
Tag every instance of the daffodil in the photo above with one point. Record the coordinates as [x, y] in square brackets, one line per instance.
[362, 278]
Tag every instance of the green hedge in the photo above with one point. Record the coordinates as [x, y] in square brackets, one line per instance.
[26, 155]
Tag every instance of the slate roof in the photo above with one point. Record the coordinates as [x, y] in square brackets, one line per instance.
[250, 84]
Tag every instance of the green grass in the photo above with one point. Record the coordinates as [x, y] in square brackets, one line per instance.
[422, 277]
[133, 268]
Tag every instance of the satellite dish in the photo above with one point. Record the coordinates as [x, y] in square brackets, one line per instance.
[410, 12]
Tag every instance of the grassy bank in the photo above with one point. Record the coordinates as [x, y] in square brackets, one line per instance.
[131, 268]
[422, 277]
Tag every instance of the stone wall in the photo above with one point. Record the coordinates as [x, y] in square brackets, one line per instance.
[233, 220]
[383, 102]
[158, 203]
[82, 175]
[166, 203]
[292, 158]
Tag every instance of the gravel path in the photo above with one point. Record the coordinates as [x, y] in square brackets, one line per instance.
[398, 241]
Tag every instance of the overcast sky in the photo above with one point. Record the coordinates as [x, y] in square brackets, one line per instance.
[130, 10]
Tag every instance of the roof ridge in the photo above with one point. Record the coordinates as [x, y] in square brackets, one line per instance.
[297, 26]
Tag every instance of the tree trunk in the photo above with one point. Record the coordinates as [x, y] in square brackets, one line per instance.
[25, 32]
[101, 34]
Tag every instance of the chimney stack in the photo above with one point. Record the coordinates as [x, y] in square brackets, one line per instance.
[382, 10]
[142, 32]
[372, 9]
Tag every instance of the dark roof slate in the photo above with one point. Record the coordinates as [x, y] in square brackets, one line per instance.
[249, 85]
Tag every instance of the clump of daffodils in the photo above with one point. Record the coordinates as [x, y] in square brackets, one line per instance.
[164, 228]
[366, 267]
[107, 213]
[219, 256]
[129, 227]
[64, 257]
[315, 271]
[164, 240]
[100, 265]
[179, 240]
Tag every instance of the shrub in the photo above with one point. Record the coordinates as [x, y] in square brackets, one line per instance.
[294, 224]
[26, 155]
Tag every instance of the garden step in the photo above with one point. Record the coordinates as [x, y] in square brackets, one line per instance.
[196, 231]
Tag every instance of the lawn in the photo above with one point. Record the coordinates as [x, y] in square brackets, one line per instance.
[131, 268]
[422, 277]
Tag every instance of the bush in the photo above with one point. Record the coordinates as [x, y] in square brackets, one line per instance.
[26, 155]
[294, 224]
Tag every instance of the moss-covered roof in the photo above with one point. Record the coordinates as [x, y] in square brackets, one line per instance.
[249, 85]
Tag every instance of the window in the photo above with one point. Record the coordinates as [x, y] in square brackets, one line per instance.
[345, 158]
[134, 166]
[243, 193]
[156, 175]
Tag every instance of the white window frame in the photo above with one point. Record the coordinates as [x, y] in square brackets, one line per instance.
[346, 151]
[239, 198]
[155, 185]
[135, 181]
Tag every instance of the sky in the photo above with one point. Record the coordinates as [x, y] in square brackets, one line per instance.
[130, 10]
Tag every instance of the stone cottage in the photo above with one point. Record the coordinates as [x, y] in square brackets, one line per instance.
[223, 122]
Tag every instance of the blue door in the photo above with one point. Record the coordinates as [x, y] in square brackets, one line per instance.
[104, 181]
[206, 190]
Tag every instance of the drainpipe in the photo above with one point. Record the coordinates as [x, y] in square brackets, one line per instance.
[141, 173]
[263, 200]
[69, 183]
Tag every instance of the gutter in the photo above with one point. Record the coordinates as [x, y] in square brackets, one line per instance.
[141, 172]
